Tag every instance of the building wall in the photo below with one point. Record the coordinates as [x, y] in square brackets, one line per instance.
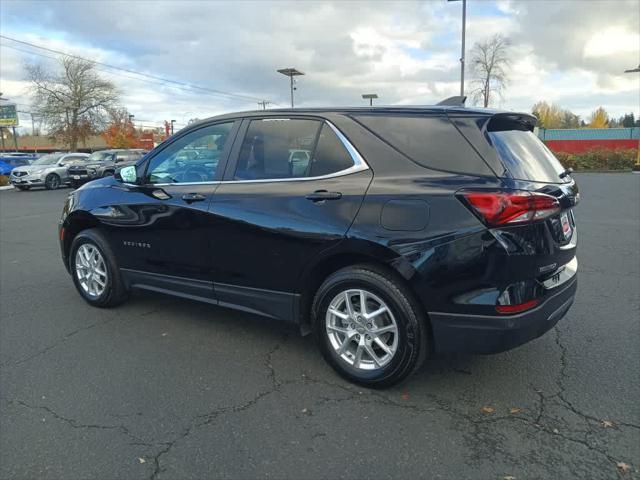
[580, 140]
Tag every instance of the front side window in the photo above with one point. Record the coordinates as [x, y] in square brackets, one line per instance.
[192, 158]
[290, 148]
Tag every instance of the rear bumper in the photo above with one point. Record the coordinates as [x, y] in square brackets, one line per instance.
[467, 333]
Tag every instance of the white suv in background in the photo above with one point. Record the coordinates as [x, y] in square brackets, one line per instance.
[49, 171]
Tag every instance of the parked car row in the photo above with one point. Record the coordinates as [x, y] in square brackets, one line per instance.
[57, 169]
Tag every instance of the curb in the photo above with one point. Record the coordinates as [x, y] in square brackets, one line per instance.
[7, 187]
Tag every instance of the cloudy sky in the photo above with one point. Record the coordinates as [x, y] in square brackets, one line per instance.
[570, 52]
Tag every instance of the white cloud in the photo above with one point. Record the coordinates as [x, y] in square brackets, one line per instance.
[569, 52]
[612, 41]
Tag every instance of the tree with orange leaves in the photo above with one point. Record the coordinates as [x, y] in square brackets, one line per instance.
[120, 133]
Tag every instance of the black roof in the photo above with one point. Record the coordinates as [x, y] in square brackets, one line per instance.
[426, 109]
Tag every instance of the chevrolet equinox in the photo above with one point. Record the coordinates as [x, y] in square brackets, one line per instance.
[390, 233]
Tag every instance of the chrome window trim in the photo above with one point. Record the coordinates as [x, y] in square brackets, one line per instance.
[359, 164]
[177, 184]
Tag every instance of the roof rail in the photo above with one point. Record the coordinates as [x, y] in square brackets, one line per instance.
[457, 101]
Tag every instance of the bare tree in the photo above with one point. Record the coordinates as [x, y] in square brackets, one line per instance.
[489, 61]
[73, 102]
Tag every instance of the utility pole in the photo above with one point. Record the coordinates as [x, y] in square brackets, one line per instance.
[172, 122]
[264, 104]
[290, 72]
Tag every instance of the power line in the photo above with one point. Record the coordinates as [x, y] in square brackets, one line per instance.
[210, 91]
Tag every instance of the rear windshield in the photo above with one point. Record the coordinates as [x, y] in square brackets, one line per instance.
[431, 141]
[525, 156]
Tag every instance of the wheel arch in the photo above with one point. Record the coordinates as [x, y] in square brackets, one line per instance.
[75, 223]
[353, 252]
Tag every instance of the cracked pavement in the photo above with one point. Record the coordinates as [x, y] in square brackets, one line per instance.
[164, 388]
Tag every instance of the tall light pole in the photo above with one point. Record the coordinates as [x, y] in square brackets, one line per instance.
[464, 28]
[290, 72]
[370, 97]
[172, 122]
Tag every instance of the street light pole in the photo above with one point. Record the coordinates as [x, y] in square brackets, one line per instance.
[290, 72]
[172, 122]
[464, 29]
[370, 97]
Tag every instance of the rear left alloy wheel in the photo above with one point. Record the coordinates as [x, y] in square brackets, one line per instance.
[368, 328]
[94, 270]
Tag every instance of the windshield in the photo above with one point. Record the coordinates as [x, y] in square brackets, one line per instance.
[99, 156]
[50, 159]
[526, 157]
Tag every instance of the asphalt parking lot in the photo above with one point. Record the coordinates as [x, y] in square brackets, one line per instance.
[169, 389]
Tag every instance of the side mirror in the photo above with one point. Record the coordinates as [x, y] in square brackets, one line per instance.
[128, 174]
[61, 164]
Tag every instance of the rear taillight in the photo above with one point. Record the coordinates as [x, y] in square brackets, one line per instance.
[508, 207]
[520, 307]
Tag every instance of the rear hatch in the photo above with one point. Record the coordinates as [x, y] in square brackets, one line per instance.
[535, 181]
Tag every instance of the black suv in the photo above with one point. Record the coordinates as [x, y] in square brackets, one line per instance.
[390, 233]
[103, 163]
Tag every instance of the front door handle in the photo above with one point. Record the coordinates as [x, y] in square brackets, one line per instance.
[321, 195]
[193, 197]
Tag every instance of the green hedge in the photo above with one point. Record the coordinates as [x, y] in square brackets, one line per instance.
[599, 159]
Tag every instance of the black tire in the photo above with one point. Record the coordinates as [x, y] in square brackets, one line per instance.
[52, 182]
[75, 185]
[22, 187]
[108, 173]
[115, 291]
[413, 340]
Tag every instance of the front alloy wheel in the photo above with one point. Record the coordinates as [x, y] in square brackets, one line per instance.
[361, 329]
[91, 270]
[95, 271]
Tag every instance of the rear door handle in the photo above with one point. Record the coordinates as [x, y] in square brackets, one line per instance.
[321, 195]
[193, 197]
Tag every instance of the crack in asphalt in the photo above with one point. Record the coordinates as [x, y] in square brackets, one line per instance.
[206, 419]
[60, 341]
[480, 431]
[75, 424]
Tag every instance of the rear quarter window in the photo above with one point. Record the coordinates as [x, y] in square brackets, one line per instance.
[525, 156]
[430, 141]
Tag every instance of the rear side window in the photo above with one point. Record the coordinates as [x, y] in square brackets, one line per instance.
[433, 142]
[525, 156]
[290, 148]
[330, 156]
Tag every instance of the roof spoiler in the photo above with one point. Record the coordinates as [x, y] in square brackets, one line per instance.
[457, 101]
